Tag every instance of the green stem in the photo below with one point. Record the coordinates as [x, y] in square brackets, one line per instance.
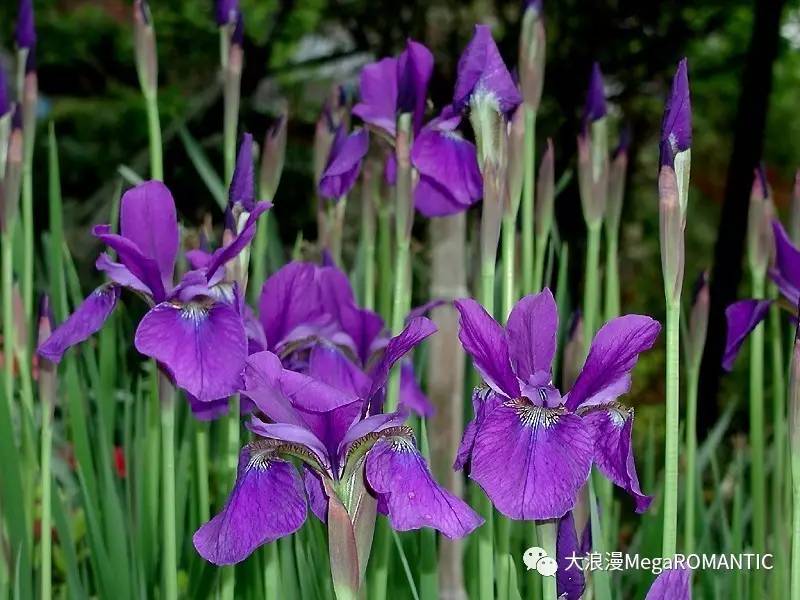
[230, 123]
[228, 584]
[529, 282]
[541, 253]
[380, 561]
[27, 233]
[690, 489]
[612, 294]
[399, 311]
[154, 134]
[272, 572]
[166, 396]
[258, 259]
[509, 235]
[779, 416]
[795, 583]
[757, 475]
[670, 529]
[9, 334]
[385, 262]
[201, 456]
[47, 477]
[600, 578]
[548, 531]
[591, 290]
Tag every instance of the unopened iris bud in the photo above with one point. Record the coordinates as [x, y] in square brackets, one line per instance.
[673, 181]
[593, 152]
[226, 12]
[5, 103]
[332, 116]
[532, 44]
[495, 191]
[5, 121]
[760, 240]
[25, 32]
[545, 192]
[273, 155]
[616, 183]
[144, 42]
[698, 320]
[516, 158]
[13, 175]
[241, 194]
[47, 370]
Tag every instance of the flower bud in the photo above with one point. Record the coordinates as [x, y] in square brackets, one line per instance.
[6, 113]
[616, 184]
[671, 225]
[698, 320]
[532, 50]
[5, 103]
[273, 155]
[495, 191]
[144, 42]
[760, 241]
[516, 156]
[25, 32]
[13, 175]
[545, 192]
[226, 12]
[593, 152]
[332, 115]
[404, 207]
[47, 370]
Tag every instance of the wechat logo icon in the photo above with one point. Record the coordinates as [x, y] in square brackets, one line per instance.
[537, 558]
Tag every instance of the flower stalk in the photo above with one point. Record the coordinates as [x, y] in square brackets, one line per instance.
[47, 395]
[166, 396]
[545, 198]
[147, 70]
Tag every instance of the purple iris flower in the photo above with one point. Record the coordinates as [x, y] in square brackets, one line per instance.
[226, 12]
[595, 98]
[344, 163]
[196, 337]
[483, 76]
[676, 127]
[530, 448]
[315, 417]
[303, 306]
[395, 85]
[25, 32]
[5, 105]
[242, 190]
[570, 581]
[671, 584]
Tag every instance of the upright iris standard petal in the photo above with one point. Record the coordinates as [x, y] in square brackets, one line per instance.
[331, 367]
[398, 474]
[595, 98]
[612, 356]
[267, 503]
[531, 333]
[786, 270]
[482, 72]
[344, 164]
[289, 305]
[148, 219]
[378, 90]
[242, 188]
[411, 395]
[671, 584]
[531, 460]
[742, 317]
[142, 267]
[25, 31]
[611, 426]
[413, 334]
[484, 339]
[570, 581]
[239, 243]
[414, 70]
[87, 319]
[676, 128]
[202, 344]
[449, 178]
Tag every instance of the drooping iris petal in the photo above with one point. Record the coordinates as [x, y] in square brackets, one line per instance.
[483, 402]
[331, 367]
[615, 349]
[414, 70]
[449, 178]
[378, 89]
[242, 190]
[87, 319]
[396, 471]
[119, 274]
[203, 346]
[147, 218]
[530, 460]
[289, 305]
[570, 581]
[481, 70]
[317, 498]
[207, 411]
[371, 424]
[143, 268]
[484, 339]
[786, 271]
[671, 584]
[531, 332]
[611, 427]
[344, 164]
[267, 503]
[411, 395]
[742, 318]
[676, 127]
[239, 243]
[595, 98]
[413, 334]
